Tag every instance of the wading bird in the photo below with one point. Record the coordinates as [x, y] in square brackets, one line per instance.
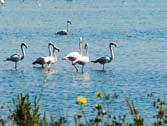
[2, 2]
[51, 59]
[82, 59]
[106, 59]
[64, 32]
[74, 55]
[17, 57]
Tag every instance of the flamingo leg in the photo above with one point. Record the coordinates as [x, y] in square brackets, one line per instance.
[49, 65]
[15, 65]
[103, 67]
[75, 68]
[82, 68]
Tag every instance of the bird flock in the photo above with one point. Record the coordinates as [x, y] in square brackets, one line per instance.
[76, 58]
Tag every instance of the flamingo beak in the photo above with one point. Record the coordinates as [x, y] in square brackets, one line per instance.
[115, 45]
[25, 45]
[49, 44]
[69, 22]
[86, 46]
[57, 49]
[80, 39]
[112, 43]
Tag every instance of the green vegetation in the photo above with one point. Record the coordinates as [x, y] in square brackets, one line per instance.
[26, 112]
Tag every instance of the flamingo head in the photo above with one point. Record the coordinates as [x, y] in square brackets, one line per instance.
[69, 22]
[55, 48]
[80, 39]
[112, 43]
[24, 44]
[86, 46]
[50, 44]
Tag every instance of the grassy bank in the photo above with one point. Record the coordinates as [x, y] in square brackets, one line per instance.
[27, 112]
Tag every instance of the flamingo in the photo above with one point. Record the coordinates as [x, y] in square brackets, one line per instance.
[17, 57]
[82, 59]
[64, 32]
[74, 55]
[106, 59]
[51, 59]
[2, 2]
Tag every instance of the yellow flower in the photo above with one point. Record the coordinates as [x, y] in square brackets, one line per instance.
[82, 100]
[100, 94]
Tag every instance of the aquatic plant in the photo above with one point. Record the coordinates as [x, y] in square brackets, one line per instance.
[138, 120]
[58, 121]
[2, 122]
[161, 111]
[27, 113]
[103, 115]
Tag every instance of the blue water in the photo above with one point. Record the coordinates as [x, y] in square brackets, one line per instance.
[139, 67]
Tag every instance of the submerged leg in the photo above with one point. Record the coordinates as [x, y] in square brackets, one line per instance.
[49, 65]
[15, 65]
[75, 68]
[103, 67]
[82, 68]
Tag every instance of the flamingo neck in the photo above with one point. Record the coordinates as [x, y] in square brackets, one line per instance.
[50, 51]
[23, 52]
[80, 47]
[54, 54]
[86, 52]
[67, 27]
[112, 53]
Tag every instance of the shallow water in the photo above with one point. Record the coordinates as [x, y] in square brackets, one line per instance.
[139, 67]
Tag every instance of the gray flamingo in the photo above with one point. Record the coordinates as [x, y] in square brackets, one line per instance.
[17, 57]
[64, 32]
[106, 59]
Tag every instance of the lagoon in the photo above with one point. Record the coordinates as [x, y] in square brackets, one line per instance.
[139, 67]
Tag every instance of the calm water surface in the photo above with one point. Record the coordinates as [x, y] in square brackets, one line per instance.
[138, 26]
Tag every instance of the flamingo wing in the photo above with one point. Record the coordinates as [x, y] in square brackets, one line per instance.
[44, 60]
[15, 55]
[39, 60]
[61, 33]
[72, 56]
[81, 60]
[14, 58]
[102, 60]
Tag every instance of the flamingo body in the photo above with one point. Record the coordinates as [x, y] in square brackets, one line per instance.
[103, 60]
[71, 56]
[45, 60]
[14, 58]
[81, 60]
[62, 32]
